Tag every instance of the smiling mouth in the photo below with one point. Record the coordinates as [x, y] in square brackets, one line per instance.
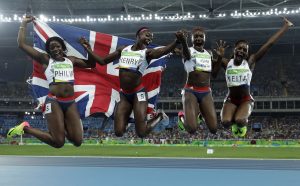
[199, 41]
[239, 55]
[56, 53]
[148, 42]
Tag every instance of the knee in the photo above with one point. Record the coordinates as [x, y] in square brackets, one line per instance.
[77, 143]
[190, 125]
[58, 143]
[213, 130]
[191, 129]
[226, 123]
[241, 121]
[141, 134]
[119, 133]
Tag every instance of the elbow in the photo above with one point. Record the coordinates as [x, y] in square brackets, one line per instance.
[20, 45]
[102, 63]
[92, 65]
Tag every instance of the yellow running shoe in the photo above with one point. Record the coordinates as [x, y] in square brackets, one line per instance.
[235, 130]
[200, 119]
[17, 130]
[242, 131]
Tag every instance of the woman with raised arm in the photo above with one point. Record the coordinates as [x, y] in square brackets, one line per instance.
[239, 103]
[133, 60]
[60, 108]
[200, 66]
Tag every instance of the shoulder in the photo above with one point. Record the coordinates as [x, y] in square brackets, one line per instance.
[71, 58]
[148, 50]
[207, 50]
[227, 63]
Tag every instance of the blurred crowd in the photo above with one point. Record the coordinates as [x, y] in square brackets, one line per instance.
[287, 127]
[271, 77]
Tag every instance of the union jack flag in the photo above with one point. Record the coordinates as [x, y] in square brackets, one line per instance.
[97, 89]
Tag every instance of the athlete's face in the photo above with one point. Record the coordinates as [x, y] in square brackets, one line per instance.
[198, 38]
[56, 50]
[241, 51]
[145, 37]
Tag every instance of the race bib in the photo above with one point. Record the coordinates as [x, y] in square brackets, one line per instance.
[141, 96]
[48, 108]
[129, 60]
[202, 62]
[63, 72]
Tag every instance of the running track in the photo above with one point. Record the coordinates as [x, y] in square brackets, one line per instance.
[106, 171]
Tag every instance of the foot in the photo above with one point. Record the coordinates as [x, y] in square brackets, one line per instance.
[238, 131]
[200, 119]
[235, 130]
[242, 131]
[181, 120]
[180, 125]
[17, 130]
[164, 115]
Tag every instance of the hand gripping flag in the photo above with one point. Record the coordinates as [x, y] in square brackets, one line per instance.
[97, 89]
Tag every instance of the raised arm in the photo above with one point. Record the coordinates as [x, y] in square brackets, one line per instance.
[95, 58]
[36, 55]
[185, 48]
[218, 62]
[157, 53]
[263, 50]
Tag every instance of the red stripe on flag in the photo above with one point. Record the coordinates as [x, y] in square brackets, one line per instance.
[41, 31]
[102, 44]
[38, 70]
[152, 80]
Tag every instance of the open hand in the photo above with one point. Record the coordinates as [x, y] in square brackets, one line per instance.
[221, 47]
[28, 19]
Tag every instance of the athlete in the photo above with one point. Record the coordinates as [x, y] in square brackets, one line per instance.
[239, 103]
[60, 108]
[133, 60]
[200, 66]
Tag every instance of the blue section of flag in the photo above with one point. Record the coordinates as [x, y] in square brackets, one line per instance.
[38, 42]
[81, 105]
[71, 35]
[39, 91]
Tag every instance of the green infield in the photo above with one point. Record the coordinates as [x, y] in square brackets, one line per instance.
[154, 151]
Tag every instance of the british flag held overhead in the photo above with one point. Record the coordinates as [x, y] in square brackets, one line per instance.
[96, 90]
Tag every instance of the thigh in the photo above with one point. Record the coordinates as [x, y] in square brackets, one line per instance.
[190, 108]
[73, 123]
[207, 109]
[228, 112]
[122, 113]
[244, 111]
[140, 105]
[55, 119]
